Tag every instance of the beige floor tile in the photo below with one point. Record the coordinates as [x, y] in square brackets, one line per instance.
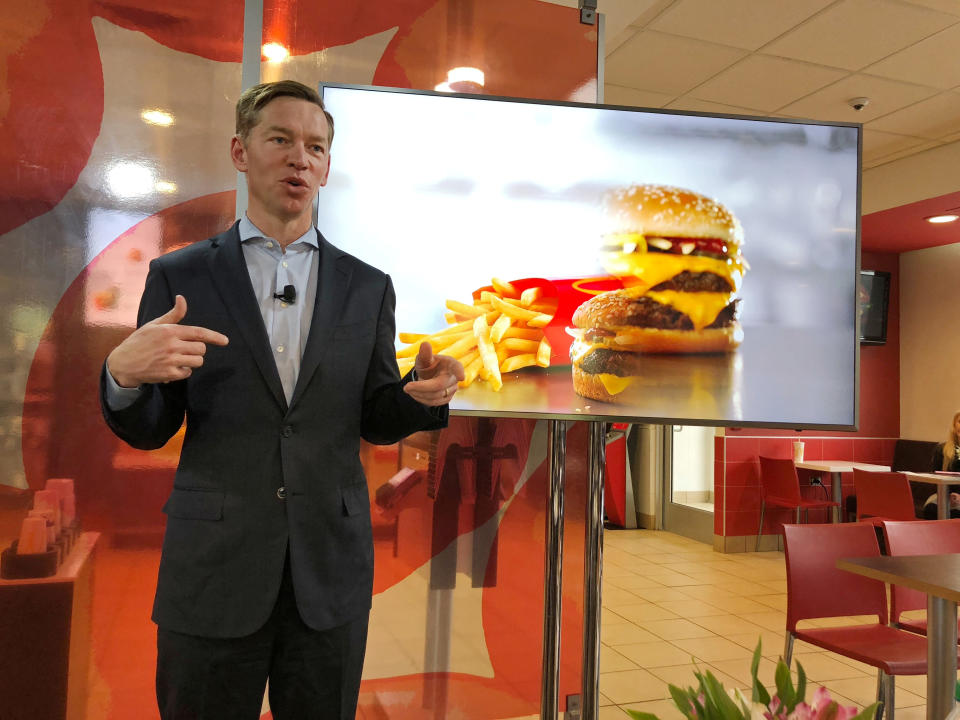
[824, 667]
[727, 625]
[603, 700]
[771, 619]
[707, 592]
[655, 654]
[675, 579]
[644, 612]
[740, 670]
[863, 691]
[683, 675]
[610, 571]
[624, 634]
[917, 712]
[689, 608]
[772, 641]
[632, 581]
[714, 648]
[613, 596]
[777, 586]
[662, 594]
[917, 684]
[777, 601]
[613, 661]
[632, 686]
[612, 712]
[739, 605]
[675, 629]
[663, 709]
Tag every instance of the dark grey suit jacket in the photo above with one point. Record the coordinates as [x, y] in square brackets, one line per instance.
[227, 528]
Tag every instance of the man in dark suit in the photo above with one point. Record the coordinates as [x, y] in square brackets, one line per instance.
[281, 362]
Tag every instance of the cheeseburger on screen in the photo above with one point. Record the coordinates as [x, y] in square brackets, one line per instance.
[678, 254]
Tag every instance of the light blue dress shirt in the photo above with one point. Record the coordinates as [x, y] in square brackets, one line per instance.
[271, 268]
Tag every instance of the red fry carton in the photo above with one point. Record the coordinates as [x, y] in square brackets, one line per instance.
[561, 297]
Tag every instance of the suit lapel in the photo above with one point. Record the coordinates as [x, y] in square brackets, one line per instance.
[333, 279]
[232, 280]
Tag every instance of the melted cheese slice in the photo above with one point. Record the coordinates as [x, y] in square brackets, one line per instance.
[615, 384]
[701, 307]
[654, 268]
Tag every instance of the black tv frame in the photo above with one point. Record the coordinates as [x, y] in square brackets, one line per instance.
[614, 417]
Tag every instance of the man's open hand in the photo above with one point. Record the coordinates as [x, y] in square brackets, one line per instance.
[438, 377]
[162, 350]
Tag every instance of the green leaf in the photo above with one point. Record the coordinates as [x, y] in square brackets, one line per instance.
[682, 699]
[726, 707]
[867, 713]
[784, 684]
[758, 692]
[801, 684]
[637, 715]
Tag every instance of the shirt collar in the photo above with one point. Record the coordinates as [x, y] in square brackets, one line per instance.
[249, 231]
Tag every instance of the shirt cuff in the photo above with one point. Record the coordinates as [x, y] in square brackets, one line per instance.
[120, 398]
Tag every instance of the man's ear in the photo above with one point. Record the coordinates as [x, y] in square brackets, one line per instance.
[326, 173]
[238, 153]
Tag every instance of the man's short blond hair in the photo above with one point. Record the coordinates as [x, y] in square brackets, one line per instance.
[254, 99]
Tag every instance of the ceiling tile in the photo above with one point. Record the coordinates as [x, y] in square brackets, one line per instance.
[705, 106]
[934, 59]
[832, 102]
[883, 159]
[932, 119]
[666, 63]
[855, 33]
[877, 144]
[747, 24]
[947, 6]
[766, 83]
[619, 95]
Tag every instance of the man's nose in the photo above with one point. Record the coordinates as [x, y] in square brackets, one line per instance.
[298, 156]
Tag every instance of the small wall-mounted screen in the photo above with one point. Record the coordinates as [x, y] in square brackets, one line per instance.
[590, 261]
[874, 301]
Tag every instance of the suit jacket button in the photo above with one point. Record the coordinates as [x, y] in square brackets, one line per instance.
[281, 492]
[286, 431]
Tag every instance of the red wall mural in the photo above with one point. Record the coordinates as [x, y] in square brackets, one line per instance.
[54, 99]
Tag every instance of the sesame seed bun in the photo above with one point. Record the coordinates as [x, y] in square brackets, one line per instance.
[665, 211]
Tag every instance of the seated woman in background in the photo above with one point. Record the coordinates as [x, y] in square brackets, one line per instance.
[946, 457]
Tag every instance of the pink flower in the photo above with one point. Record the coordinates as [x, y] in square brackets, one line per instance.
[821, 707]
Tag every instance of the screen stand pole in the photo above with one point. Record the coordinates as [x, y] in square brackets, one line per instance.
[553, 571]
[593, 571]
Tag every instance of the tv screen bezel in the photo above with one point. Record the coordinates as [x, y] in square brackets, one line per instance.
[854, 426]
[882, 338]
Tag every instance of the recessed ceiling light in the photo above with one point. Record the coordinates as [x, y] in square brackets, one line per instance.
[937, 219]
[275, 52]
[156, 116]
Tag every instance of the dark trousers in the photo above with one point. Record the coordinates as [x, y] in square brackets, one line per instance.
[313, 675]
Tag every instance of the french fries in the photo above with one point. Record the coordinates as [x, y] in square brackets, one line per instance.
[500, 332]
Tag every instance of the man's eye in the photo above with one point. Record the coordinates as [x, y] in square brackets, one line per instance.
[278, 140]
[318, 148]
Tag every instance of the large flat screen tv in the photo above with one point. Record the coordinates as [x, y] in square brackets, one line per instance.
[590, 261]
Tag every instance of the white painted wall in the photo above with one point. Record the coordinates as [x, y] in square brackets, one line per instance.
[929, 341]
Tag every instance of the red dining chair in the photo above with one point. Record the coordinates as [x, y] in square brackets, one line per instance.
[780, 487]
[919, 537]
[883, 496]
[816, 588]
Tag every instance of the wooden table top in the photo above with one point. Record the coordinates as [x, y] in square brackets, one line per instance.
[933, 478]
[833, 466]
[937, 575]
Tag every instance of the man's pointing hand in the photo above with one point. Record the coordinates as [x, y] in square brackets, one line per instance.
[162, 350]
